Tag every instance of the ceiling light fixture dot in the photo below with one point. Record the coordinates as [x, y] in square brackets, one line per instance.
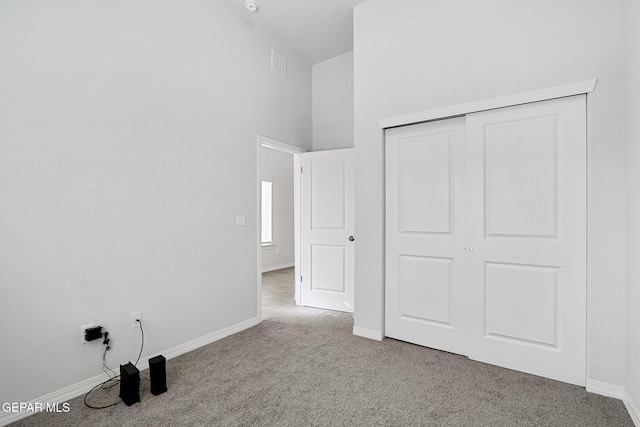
[251, 5]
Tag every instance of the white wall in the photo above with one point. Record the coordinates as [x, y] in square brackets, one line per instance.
[127, 147]
[412, 55]
[631, 37]
[277, 166]
[333, 103]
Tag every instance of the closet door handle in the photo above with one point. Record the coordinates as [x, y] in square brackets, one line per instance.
[351, 238]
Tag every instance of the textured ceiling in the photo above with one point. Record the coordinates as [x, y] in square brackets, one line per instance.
[316, 29]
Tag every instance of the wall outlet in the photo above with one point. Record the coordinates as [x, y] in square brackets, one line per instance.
[83, 330]
[135, 316]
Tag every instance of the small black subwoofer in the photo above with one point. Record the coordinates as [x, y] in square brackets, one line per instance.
[129, 384]
[158, 374]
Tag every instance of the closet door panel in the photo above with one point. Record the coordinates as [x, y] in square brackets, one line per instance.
[425, 232]
[526, 169]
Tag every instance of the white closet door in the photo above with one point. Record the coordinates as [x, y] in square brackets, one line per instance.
[526, 175]
[486, 237]
[425, 235]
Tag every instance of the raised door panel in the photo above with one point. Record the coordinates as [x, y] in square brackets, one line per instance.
[425, 176]
[521, 303]
[328, 195]
[520, 175]
[424, 286]
[328, 267]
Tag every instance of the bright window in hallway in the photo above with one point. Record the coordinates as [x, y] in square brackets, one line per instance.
[267, 217]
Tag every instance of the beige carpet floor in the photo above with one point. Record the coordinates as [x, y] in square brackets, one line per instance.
[304, 367]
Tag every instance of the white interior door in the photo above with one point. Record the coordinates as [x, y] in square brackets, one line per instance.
[425, 235]
[327, 225]
[486, 237]
[527, 212]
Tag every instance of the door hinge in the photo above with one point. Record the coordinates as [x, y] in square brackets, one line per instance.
[300, 279]
[300, 169]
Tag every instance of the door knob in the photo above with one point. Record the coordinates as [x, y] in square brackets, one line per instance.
[351, 238]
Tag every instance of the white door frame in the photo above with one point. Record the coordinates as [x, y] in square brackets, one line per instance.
[264, 141]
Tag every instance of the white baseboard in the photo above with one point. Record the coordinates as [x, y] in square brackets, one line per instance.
[617, 392]
[83, 387]
[632, 408]
[368, 333]
[277, 267]
[605, 389]
[208, 339]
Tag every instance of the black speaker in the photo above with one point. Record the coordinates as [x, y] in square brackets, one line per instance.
[158, 374]
[129, 384]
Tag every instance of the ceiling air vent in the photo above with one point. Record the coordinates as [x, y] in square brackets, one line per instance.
[278, 63]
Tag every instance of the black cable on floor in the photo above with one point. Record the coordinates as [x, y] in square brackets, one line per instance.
[141, 343]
